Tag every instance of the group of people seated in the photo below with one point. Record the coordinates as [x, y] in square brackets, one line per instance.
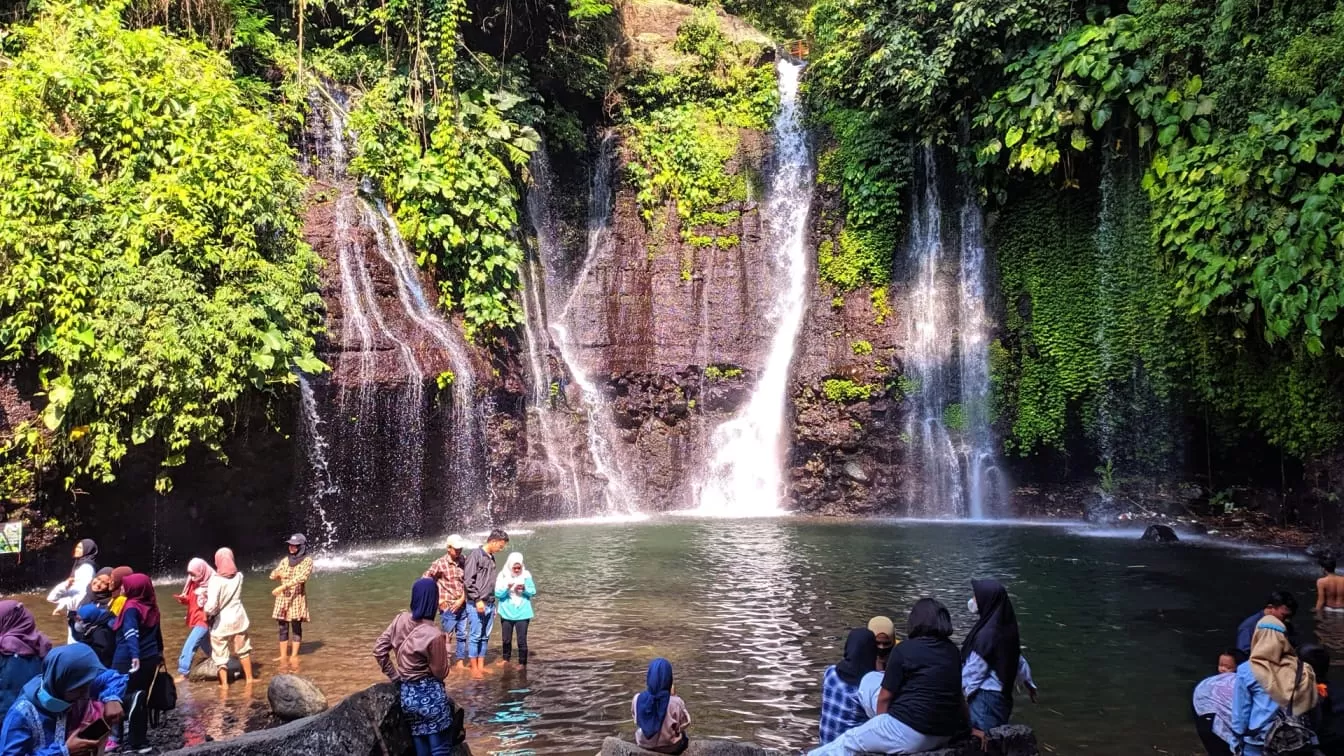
[1270, 695]
[895, 697]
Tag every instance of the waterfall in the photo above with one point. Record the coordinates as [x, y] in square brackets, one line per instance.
[947, 365]
[744, 476]
[1107, 258]
[381, 408]
[598, 423]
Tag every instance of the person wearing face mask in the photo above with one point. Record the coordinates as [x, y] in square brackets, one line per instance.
[72, 691]
[885, 631]
[992, 660]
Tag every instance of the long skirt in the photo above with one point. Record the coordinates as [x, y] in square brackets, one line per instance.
[426, 706]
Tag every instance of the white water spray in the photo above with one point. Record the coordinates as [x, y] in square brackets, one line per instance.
[744, 477]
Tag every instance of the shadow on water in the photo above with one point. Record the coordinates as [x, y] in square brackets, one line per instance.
[750, 612]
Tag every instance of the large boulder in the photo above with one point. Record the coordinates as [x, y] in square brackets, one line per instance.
[1009, 740]
[1160, 534]
[293, 697]
[206, 671]
[368, 723]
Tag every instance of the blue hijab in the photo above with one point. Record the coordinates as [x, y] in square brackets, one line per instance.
[651, 706]
[66, 669]
[424, 599]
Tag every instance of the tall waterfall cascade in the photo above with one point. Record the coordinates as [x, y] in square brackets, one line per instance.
[947, 360]
[375, 418]
[591, 474]
[744, 475]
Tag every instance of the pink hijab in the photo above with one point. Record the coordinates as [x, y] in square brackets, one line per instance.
[198, 572]
[224, 565]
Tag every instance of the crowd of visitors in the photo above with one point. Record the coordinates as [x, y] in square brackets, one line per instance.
[1271, 696]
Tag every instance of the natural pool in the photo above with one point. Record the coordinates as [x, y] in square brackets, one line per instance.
[751, 611]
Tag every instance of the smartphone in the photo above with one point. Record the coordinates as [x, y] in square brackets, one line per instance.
[96, 730]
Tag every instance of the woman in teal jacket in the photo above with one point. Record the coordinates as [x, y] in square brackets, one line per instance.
[514, 590]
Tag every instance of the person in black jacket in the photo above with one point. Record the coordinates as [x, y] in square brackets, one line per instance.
[479, 585]
[93, 628]
[920, 695]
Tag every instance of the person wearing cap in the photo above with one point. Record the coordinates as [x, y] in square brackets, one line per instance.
[291, 596]
[446, 572]
[885, 630]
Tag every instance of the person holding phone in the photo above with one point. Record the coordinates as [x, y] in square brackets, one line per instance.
[48, 717]
[514, 590]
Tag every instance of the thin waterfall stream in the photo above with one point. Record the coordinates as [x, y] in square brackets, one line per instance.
[744, 475]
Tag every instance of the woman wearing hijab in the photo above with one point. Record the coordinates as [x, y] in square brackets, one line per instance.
[72, 691]
[68, 594]
[100, 590]
[118, 600]
[841, 705]
[992, 661]
[22, 649]
[660, 714]
[413, 652]
[227, 617]
[139, 651]
[514, 590]
[920, 707]
[291, 596]
[1273, 678]
[198, 627]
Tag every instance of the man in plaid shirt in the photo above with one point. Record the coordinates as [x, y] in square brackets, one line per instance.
[447, 572]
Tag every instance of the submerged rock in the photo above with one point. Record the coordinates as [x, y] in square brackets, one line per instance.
[368, 723]
[293, 697]
[1160, 534]
[1008, 740]
[205, 670]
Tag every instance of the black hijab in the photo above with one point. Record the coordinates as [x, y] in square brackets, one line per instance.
[995, 636]
[88, 556]
[860, 656]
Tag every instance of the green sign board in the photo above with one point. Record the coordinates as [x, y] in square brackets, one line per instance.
[11, 537]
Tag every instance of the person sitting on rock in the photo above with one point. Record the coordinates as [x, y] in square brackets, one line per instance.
[885, 632]
[1212, 702]
[660, 714]
[841, 708]
[920, 704]
[413, 653]
[992, 660]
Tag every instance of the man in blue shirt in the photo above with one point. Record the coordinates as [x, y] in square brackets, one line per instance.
[1280, 605]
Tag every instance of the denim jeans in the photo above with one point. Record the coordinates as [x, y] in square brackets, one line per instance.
[481, 625]
[455, 624]
[199, 637]
[439, 744]
[989, 709]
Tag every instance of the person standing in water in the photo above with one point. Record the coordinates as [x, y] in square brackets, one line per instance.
[1330, 587]
[446, 572]
[228, 617]
[514, 590]
[480, 591]
[991, 657]
[413, 653]
[291, 596]
[198, 625]
[1270, 681]
[69, 594]
[1281, 605]
[660, 714]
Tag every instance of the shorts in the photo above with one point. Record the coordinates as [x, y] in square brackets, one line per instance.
[219, 647]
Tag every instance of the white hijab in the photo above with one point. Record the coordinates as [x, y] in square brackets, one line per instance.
[506, 580]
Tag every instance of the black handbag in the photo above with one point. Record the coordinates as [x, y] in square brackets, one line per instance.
[162, 691]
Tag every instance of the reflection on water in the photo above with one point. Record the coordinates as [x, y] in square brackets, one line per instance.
[751, 612]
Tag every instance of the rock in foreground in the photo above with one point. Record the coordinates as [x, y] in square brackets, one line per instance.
[367, 723]
[292, 697]
[1009, 740]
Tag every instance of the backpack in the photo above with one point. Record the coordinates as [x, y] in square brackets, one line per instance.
[1288, 735]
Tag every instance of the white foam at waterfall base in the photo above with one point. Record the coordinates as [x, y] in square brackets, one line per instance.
[744, 478]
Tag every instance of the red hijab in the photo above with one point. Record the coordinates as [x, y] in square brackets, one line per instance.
[139, 592]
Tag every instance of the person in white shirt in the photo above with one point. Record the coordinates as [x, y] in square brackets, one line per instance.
[992, 663]
[68, 594]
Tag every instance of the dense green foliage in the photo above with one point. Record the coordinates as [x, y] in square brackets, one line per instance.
[150, 261]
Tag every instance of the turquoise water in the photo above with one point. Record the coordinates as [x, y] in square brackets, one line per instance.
[751, 611]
